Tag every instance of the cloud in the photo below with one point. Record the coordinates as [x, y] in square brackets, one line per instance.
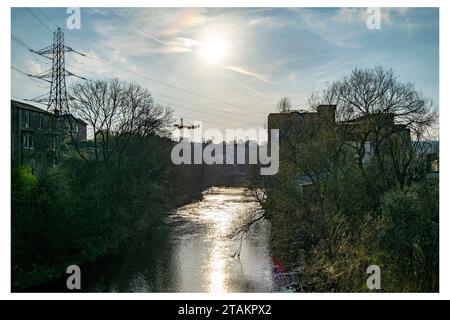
[350, 16]
[341, 27]
[184, 20]
[168, 30]
[330, 24]
[391, 15]
[272, 23]
[180, 44]
[246, 72]
[158, 23]
[359, 15]
[34, 67]
[244, 85]
[131, 26]
[292, 76]
[95, 66]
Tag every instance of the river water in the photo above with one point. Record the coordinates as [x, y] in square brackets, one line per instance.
[194, 253]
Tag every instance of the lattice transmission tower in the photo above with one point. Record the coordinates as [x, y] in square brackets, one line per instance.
[57, 100]
[181, 127]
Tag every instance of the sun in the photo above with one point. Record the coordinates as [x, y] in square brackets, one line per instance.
[213, 48]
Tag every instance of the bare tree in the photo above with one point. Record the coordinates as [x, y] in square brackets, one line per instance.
[374, 108]
[284, 105]
[116, 111]
[378, 91]
[251, 219]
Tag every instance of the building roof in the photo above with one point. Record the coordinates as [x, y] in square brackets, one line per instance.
[291, 112]
[27, 106]
[72, 116]
[30, 107]
[357, 120]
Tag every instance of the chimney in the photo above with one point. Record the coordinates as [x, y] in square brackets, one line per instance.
[327, 112]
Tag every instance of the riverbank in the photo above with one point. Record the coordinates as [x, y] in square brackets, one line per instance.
[80, 211]
[190, 252]
[53, 279]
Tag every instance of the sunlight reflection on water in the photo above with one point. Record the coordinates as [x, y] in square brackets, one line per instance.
[193, 253]
[203, 252]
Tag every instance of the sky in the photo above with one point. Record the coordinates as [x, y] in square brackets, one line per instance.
[228, 67]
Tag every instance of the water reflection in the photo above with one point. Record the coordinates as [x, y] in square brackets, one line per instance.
[192, 253]
[204, 253]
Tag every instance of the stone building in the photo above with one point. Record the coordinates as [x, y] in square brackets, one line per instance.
[305, 136]
[37, 135]
[72, 128]
[298, 127]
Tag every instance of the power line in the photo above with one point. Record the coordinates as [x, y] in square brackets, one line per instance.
[193, 103]
[183, 100]
[56, 76]
[169, 85]
[131, 28]
[190, 109]
[39, 20]
[208, 113]
[170, 97]
[23, 44]
[20, 71]
[206, 121]
[202, 105]
[47, 17]
[186, 91]
[171, 69]
[161, 82]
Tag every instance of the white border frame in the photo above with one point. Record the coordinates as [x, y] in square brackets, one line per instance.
[444, 83]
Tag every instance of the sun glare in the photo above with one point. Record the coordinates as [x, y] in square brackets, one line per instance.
[213, 48]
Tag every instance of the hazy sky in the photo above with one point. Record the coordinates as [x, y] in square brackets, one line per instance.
[229, 67]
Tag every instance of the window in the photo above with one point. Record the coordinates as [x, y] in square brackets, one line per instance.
[27, 141]
[30, 141]
[51, 143]
[368, 152]
[27, 119]
[41, 121]
[77, 129]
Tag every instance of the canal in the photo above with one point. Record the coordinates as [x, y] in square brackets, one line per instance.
[193, 252]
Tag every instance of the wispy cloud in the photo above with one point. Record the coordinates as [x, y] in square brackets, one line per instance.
[131, 27]
[360, 15]
[272, 22]
[34, 67]
[96, 66]
[272, 52]
[181, 44]
[168, 30]
[340, 27]
[244, 85]
[183, 21]
[247, 72]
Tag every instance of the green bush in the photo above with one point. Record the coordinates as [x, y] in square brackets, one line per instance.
[81, 210]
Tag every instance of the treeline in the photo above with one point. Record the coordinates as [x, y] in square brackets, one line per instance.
[372, 200]
[101, 196]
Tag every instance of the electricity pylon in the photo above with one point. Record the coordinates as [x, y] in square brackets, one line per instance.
[181, 127]
[57, 99]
